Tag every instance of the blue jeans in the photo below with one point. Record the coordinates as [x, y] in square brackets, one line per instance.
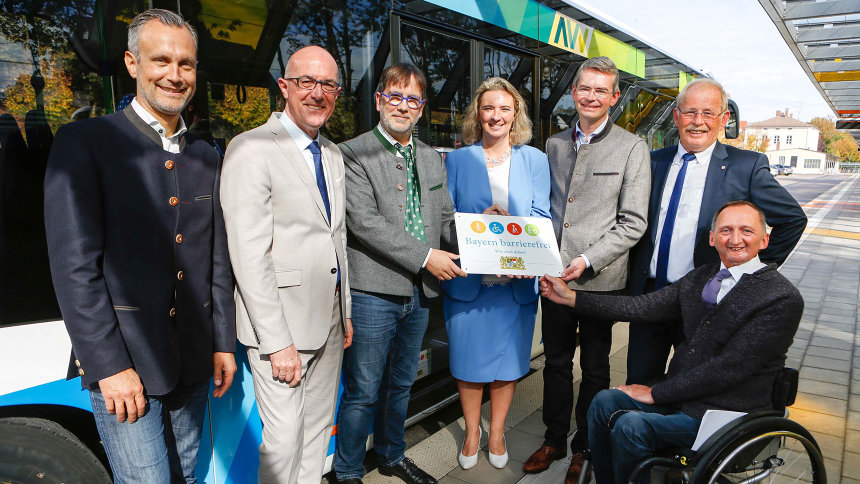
[378, 371]
[161, 446]
[622, 431]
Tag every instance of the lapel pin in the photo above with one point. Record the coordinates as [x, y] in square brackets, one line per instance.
[723, 167]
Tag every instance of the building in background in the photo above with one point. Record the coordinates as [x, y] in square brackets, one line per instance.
[793, 143]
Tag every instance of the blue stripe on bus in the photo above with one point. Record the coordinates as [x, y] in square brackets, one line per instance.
[59, 392]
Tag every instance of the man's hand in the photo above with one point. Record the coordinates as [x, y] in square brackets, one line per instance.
[123, 394]
[495, 209]
[286, 365]
[556, 290]
[441, 265]
[225, 368]
[574, 270]
[347, 334]
[640, 393]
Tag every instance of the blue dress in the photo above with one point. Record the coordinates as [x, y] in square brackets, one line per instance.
[490, 327]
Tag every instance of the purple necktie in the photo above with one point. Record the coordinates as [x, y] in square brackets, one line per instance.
[712, 288]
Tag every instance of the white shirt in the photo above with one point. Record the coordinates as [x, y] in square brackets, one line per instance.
[170, 144]
[584, 139]
[303, 141]
[737, 271]
[500, 176]
[687, 217]
[387, 135]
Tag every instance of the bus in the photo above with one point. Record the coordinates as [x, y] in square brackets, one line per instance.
[61, 60]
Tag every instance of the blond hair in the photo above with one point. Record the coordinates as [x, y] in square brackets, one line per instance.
[521, 129]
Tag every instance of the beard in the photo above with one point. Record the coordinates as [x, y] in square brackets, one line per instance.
[150, 94]
[395, 128]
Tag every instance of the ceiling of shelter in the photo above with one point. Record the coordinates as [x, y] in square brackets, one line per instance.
[825, 38]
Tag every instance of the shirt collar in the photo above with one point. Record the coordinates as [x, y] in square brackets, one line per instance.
[583, 138]
[701, 157]
[387, 136]
[300, 137]
[149, 119]
[747, 267]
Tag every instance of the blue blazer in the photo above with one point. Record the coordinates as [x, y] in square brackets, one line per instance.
[528, 196]
[733, 174]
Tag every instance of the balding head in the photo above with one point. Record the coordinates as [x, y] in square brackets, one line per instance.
[310, 74]
[310, 55]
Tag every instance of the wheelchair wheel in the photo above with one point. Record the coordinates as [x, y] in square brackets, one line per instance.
[769, 450]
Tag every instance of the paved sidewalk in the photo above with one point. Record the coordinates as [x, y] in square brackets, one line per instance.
[825, 266]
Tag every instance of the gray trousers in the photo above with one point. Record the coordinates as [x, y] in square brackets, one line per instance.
[298, 421]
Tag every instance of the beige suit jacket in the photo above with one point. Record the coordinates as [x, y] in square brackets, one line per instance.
[283, 248]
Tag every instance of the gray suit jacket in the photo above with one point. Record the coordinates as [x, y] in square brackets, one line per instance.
[599, 202]
[284, 250]
[383, 258]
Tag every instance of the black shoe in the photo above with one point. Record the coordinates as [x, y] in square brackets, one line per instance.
[352, 480]
[408, 471]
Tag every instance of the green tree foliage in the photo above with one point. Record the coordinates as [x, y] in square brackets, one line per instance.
[838, 143]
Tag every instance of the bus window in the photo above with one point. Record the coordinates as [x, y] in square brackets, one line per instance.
[43, 85]
[518, 69]
[558, 111]
[444, 59]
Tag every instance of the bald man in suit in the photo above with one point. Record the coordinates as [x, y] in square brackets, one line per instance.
[282, 191]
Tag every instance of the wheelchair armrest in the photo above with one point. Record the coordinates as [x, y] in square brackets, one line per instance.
[735, 423]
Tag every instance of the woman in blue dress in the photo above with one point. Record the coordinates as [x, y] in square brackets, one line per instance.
[490, 319]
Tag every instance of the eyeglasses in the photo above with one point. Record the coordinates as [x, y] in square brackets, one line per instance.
[309, 84]
[691, 114]
[395, 98]
[598, 93]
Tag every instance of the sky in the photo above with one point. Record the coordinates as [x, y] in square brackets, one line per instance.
[734, 41]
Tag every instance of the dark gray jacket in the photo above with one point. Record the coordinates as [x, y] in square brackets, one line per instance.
[383, 258]
[731, 355]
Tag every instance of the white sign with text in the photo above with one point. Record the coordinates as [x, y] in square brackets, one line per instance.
[507, 245]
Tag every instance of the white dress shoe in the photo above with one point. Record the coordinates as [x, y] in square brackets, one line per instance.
[499, 461]
[468, 462]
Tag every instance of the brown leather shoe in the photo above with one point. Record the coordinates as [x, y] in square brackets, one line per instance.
[575, 469]
[542, 458]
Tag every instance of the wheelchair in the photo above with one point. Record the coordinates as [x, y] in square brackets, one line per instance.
[762, 446]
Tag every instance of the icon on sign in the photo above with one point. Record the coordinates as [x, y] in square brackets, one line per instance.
[496, 228]
[514, 229]
[478, 226]
[532, 230]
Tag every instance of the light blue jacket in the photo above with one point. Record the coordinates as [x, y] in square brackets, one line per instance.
[528, 196]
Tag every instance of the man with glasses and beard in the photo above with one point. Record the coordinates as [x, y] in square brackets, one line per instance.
[398, 209]
[139, 261]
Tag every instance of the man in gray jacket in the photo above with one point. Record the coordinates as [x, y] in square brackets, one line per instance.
[398, 209]
[600, 177]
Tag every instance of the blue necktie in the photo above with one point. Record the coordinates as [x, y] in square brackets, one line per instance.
[669, 224]
[314, 147]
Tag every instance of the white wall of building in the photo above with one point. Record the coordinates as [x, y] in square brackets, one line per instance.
[805, 161]
[794, 137]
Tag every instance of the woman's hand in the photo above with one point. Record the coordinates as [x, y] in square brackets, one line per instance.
[495, 209]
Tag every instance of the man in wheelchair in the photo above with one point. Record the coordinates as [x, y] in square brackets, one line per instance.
[739, 318]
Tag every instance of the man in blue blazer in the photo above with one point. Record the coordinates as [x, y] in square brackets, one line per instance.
[689, 182]
[138, 255]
